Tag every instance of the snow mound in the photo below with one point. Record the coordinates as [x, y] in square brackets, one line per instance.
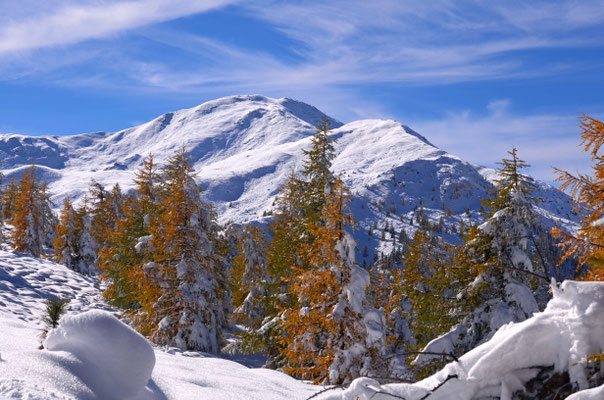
[119, 359]
[561, 337]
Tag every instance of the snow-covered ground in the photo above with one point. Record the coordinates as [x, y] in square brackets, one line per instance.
[95, 356]
[561, 337]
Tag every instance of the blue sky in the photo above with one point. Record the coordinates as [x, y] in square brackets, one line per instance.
[474, 77]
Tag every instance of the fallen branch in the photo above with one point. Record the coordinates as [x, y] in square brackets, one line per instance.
[326, 390]
[388, 394]
[439, 386]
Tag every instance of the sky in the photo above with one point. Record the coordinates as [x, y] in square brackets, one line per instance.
[475, 77]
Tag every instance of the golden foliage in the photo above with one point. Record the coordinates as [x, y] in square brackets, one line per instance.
[313, 335]
[588, 194]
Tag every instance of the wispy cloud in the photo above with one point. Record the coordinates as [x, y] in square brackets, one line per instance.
[75, 22]
[543, 140]
[339, 42]
[342, 47]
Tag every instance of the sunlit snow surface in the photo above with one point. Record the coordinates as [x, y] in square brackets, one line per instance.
[562, 336]
[80, 370]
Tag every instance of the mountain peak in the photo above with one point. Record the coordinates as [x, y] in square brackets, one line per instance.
[243, 147]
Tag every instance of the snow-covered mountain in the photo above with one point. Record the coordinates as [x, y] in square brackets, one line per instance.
[244, 147]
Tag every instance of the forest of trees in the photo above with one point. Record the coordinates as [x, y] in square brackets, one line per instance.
[294, 287]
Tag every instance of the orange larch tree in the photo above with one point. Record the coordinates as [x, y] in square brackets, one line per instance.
[32, 218]
[331, 335]
[588, 193]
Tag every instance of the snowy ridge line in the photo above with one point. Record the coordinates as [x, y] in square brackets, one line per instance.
[244, 147]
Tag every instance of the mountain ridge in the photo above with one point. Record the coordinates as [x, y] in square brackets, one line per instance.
[243, 147]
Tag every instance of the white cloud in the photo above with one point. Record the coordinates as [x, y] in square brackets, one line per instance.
[71, 23]
[543, 140]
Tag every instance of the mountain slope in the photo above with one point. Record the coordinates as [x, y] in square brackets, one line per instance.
[244, 147]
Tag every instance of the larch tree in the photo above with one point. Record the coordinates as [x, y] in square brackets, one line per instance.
[190, 313]
[331, 335]
[121, 261]
[288, 230]
[105, 210]
[9, 198]
[30, 219]
[428, 285]
[299, 202]
[317, 173]
[588, 193]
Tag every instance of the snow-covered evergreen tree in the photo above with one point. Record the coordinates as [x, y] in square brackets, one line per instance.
[65, 244]
[499, 255]
[32, 219]
[332, 335]
[74, 246]
[254, 278]
[190, 312]
[387, 295]
[86, 260]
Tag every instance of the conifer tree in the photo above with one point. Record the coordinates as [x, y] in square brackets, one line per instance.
[49, 219]
[31, 222]
[1, 208]
[189, 314]
[73, 245]
[254, 278]
[317, 172]
[498, 255]
[86, 256]
[105, 210]
[122, 260]
[65, 244]
[331, 335]
[428, 286]
[388, 295]
[9, 198]
[298, 205]
[588, 193]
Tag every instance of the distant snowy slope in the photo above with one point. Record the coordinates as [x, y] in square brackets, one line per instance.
[80, 364]
[244, 147]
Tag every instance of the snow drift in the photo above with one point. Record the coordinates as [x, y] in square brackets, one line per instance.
[561, 337]
[116, 358]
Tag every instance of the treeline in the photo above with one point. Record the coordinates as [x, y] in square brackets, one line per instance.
[303, 300]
